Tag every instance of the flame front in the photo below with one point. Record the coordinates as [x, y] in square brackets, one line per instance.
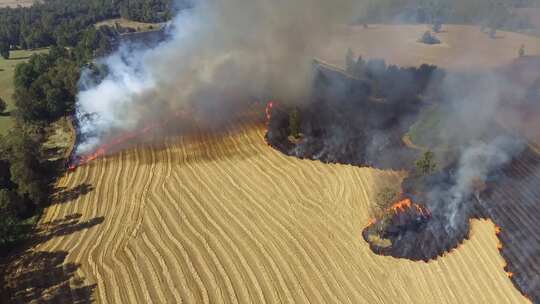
[105, 148]
[406, 204]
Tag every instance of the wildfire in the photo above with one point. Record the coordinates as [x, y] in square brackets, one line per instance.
[497, 230]
[402, 205]
[105, 148]
[509, 274]
[407, 203]
[268, 111]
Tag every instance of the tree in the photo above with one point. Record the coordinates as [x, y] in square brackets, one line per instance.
[426, 164]
[349, 62]
[437, 26]
[8, 221]
[429, 38]
[493, 33]
[3, 105]
[522, 51]
[386, 197]
[294, 123]
[4, 49]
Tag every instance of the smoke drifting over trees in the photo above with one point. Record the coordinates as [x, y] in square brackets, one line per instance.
[218, 54]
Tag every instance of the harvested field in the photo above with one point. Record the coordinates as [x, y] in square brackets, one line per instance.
[463, 47]
[230, 220]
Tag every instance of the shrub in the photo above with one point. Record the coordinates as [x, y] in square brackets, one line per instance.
[429, 38]
[386, 197]
[3, 105]
[426, 165]
[294, 123]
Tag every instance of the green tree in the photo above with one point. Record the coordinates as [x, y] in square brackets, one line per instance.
[294, 123]
[27, 170]
[9, 223]
[349, 62]
[386, 197]
[3, 105]
[4, 49]
[426, 164]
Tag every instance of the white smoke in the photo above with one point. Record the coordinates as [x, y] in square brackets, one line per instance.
[219, 52]
[476, 163]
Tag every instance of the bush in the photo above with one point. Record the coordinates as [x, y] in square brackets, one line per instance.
[3, 105]
[426, 165]
[386, 197]
[4, 50]
[294, 123]
[428, 38]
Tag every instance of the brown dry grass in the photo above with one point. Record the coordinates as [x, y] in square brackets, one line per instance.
[230, 220]
[463, 46]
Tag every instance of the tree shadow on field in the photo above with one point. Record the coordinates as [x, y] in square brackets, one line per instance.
[44, 277]
[65, 195]
[31, 275]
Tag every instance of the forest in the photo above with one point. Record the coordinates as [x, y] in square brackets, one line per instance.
[61, 22]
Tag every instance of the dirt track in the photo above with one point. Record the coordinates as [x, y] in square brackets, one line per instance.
[230, 220]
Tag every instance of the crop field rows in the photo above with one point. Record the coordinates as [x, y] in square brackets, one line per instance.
[226, 219]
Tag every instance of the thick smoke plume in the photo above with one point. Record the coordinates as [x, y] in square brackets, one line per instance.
[219, 54]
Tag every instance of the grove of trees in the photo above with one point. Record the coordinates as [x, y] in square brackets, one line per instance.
[62, 22]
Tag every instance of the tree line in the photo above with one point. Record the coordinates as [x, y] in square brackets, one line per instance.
[490, 13]
[45, 90]
[63, 22]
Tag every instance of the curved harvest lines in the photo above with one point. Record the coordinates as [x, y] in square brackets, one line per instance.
[225, 219]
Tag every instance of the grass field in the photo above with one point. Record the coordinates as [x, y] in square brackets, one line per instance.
[15, 3]
[230, 220]
[424, 132]
[463, 47]
[138, 26]
[7, 68]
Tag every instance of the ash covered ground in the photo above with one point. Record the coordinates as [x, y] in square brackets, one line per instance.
[490, 171]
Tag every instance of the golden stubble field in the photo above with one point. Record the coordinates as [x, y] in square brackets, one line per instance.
[229, 220]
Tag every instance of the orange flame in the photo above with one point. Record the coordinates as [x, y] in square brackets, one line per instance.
[509, 274]
[402, 205]
[406, 204]
[497, 230]
[268, 111]
[103, 149]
